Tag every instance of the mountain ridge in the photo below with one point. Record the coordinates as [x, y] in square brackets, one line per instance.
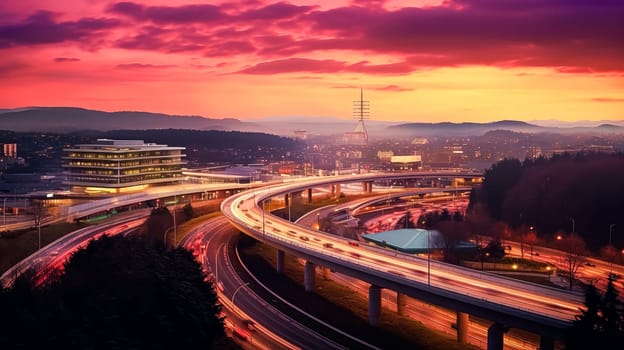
[71, 119]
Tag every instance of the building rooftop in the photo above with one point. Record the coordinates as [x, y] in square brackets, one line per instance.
[411, 240]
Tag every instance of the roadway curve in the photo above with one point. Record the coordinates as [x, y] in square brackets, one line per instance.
[539, 309]
[238, 290]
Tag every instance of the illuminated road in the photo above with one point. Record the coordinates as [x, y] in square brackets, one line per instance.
[511, 302]
[54, 255]
[253, 301]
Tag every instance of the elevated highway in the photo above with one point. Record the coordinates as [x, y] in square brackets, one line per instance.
[506, 302]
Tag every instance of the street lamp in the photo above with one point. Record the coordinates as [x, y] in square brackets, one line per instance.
[263, 225]
[428, 258]
[236, 291]
[572, 219]
[318, 221]
[428, 253]
[165, 236]
[610, 230]
[4, 215]
[289, 197]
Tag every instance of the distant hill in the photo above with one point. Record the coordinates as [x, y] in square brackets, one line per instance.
[473, 129]
[70, 119]
[66, 119]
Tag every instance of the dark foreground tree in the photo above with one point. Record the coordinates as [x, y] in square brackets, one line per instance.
[117, 293]
[601, 324]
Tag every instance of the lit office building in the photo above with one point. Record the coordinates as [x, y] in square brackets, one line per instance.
[120, 166]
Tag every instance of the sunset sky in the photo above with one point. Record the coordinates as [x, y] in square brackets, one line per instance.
[421, 61]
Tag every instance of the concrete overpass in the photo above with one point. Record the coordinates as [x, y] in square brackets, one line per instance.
[506, 302]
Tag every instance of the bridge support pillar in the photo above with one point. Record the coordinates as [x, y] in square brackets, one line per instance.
[335, 190]
[495, 336]
[374, 305]
[367, 187]
[401, 302]
[327, 273]
[308, 276]
[546, 343]
[462, 327]
[309, 195]
[279, 261]
[287, 199]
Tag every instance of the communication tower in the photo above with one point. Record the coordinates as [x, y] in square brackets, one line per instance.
[361, 111]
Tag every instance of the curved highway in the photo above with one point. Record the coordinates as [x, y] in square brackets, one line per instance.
[209, 243]
[514, 303]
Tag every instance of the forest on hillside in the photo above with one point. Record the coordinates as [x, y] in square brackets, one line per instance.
[580, 193]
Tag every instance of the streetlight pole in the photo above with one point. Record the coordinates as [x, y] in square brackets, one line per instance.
[611, 259]
[4, 215]
[175, 233]
[165, 236]
[610, 230]
[428, 257]
[236, 291]
[289, 200]
[318, 221]
[263, 225]
[572, 219]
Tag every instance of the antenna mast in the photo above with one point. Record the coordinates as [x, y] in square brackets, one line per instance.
[361, 111]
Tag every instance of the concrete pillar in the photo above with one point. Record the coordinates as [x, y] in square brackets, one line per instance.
[279, 263]
[336, 190]
[308, 276]
[462, 327]
[286, 199]
[374, 305]
[327, 273]
[495, 336]
[546, 343]
[365, 187]
[401, 302]
[309, 195]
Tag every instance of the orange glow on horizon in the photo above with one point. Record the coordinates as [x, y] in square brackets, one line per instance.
[302, 59]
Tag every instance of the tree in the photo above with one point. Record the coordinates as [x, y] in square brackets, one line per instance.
[188, 211]
[451, 233]
[601, 324]
[575, 252]
[118, 292]
[530, 238]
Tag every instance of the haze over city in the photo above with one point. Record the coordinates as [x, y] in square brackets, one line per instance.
[426, 61]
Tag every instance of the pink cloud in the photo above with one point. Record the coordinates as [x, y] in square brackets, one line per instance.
[66, 59]
[297, 64]
[143, 66]
[393, 88]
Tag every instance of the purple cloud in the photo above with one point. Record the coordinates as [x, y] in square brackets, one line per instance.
[280, 10]
[42, 28]
[168, 14]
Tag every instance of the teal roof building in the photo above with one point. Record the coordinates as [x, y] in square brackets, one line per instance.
[412, 240]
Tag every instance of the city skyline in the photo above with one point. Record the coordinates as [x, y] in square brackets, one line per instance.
[460, 60]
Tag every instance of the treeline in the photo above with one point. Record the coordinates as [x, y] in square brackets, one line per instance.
[581, 193]
[117, 293]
